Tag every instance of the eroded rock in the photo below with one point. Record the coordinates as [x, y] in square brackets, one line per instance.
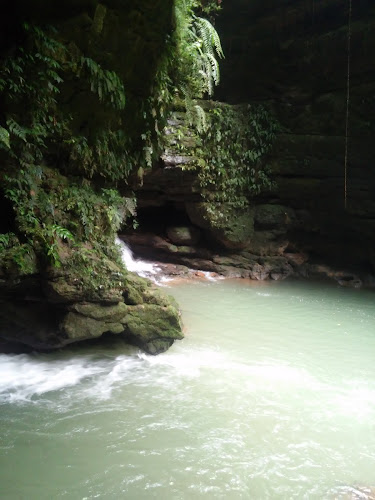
[149, 318]
[153, 328]
[183, 235]
[232, 227]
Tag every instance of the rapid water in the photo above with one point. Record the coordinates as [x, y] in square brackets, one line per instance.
[141, 267]
[271, 395]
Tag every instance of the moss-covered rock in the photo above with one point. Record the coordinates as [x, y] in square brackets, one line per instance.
[76, 327]
[183, 235]
[152, 327]
[232, 227]
[135, 288]
[99, 312]
[87, 275]
[153, 324]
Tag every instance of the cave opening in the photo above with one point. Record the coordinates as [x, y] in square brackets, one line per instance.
[158, 219]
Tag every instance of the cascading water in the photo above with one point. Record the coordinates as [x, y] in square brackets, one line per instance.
[154, 272]
[138, 266]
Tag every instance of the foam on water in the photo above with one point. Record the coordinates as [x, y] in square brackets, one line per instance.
[24, 376]
[151, 270]
[265, 398]
[142, 268]
[27, 377]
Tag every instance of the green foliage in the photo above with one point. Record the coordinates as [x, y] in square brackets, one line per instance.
[14, 256]
[50, 235]
[95, 217]
[231, 147]
[234, 149]
[196, 117]
[35, 215]
[106, 84]
[50, 215]
[198, 48]
[207, 43]
[5, 240]
[30, 81]
[188, 69]
[107, 155]
[90, 215]
[210, 7]
[4, 137]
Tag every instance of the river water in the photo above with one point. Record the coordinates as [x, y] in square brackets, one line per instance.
[271, 395]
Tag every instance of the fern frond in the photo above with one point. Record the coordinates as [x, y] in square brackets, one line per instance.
[4, 137]
[200, 121]
[106, 84]
[209, 36]
[215, 71]
[17, 130]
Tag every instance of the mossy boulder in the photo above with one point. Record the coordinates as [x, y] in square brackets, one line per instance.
[99, 312]
[230, 226]
[92, 279]
[134, 289]
[183, 235]
[153, 328]
[77, 327]
[153, 324]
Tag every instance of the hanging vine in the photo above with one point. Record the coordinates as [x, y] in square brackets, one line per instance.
[347, 107]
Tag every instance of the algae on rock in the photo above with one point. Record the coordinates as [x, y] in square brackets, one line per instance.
[67, 145]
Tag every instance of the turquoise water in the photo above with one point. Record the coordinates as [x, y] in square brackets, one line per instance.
[271, 395]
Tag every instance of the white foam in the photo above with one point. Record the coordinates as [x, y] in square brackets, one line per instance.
[355, 402]
[138, 266]
[188, 364]
[23, 377]
[115, 375]
[208, 275]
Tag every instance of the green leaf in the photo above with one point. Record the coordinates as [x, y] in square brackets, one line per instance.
[4, 137]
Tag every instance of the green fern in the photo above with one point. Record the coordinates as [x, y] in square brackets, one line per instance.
[17, 130]
[5, 239]
[209, 36]
[106, 84]
[62, 232]
[196, 117]
[206, 42]
[4, 137]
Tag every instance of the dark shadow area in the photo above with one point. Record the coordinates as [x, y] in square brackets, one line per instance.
[158, 219]
[7, 219]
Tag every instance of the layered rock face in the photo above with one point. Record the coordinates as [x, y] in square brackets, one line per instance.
[54, 309]
[294, 55]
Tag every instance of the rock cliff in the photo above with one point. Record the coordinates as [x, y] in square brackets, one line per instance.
[292, 56]
[224, 201]
[66, 142]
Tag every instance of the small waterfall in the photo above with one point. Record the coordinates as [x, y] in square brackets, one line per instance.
[140, 267]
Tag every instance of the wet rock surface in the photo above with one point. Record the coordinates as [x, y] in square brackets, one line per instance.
[137, 310]
[206, 262]
[302, 72]
[302, 76]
